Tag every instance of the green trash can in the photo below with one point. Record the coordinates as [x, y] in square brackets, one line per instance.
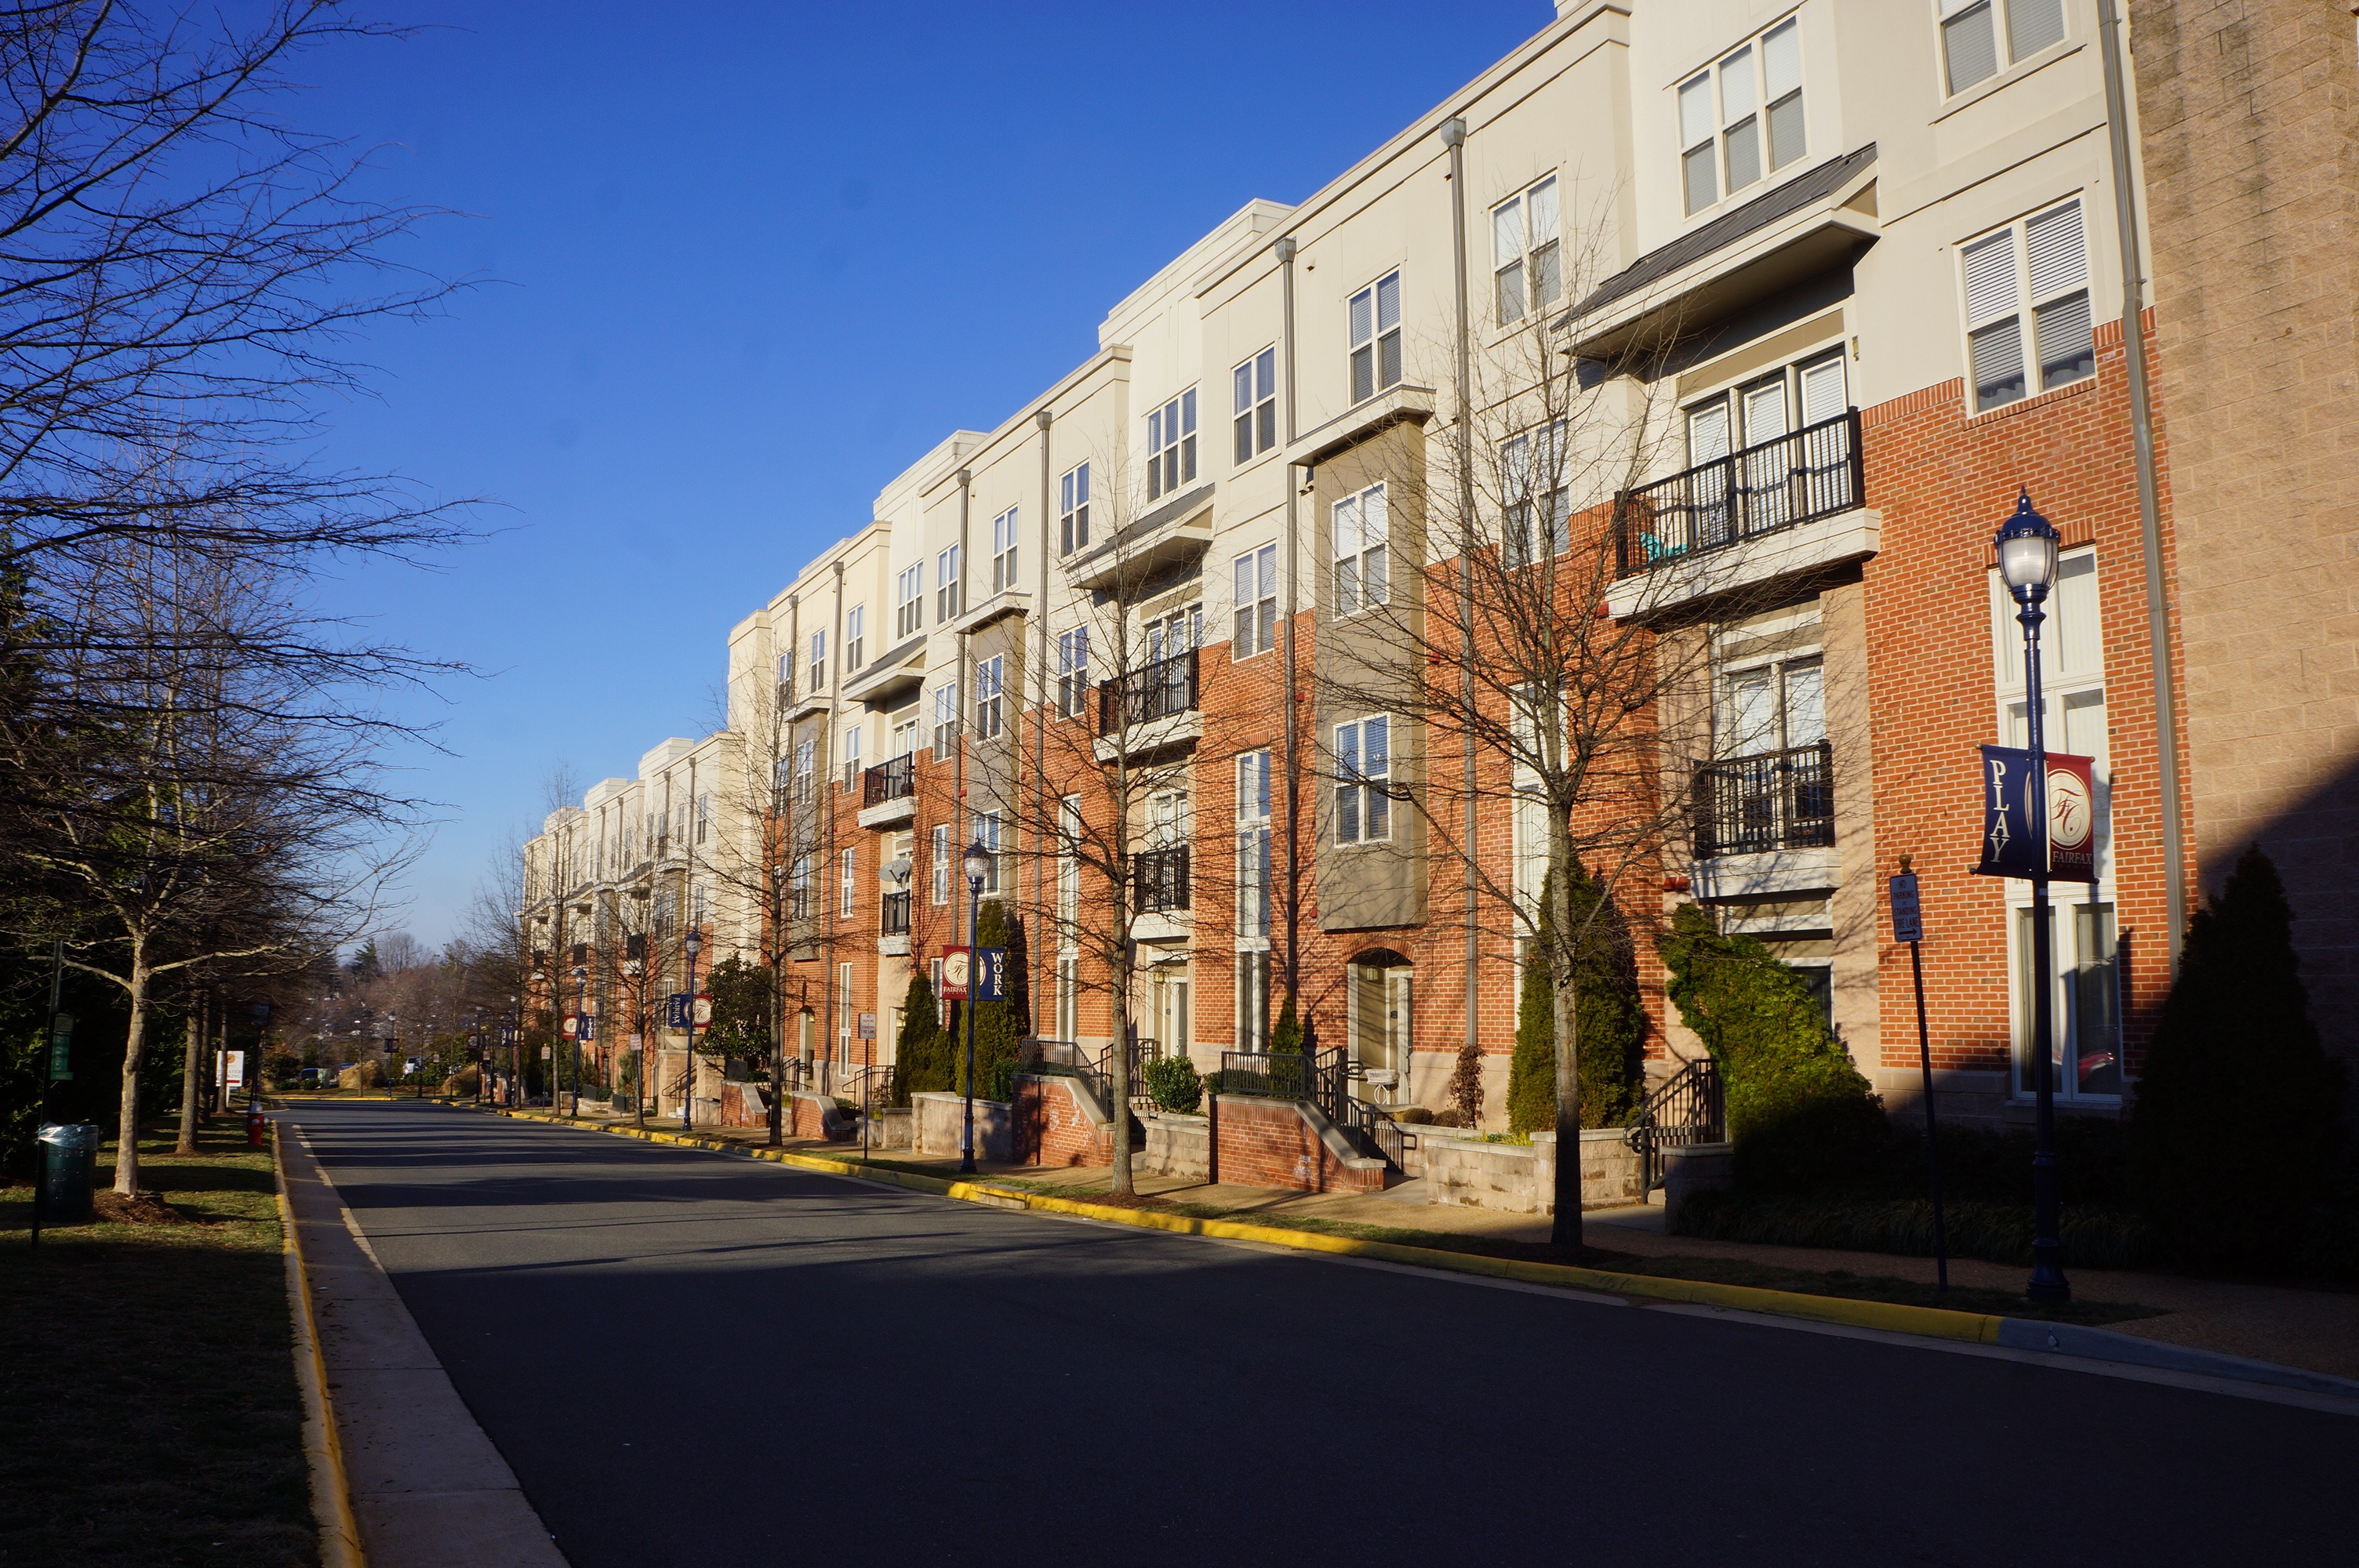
[69, 1156]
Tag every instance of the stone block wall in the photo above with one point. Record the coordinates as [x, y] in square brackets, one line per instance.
[937, 1123]
[1520, 1178]
[1178, 1146]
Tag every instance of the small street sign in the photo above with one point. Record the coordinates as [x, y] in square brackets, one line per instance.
[1908, 921]
[954, 974]
[868, 1026]
[233, 1069]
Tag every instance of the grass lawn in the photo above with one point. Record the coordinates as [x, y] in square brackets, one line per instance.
[149, 1408]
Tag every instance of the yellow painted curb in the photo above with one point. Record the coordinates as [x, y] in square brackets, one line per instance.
[1939, 1323]
[323, 1448]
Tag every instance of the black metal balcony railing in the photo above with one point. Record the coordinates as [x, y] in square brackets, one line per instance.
[1162, 689]
[1777, 800]
[1161, 877]
[896, 921]
[890, 781]
[1773, 484]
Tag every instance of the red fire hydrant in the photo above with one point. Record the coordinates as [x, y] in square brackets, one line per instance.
[254, 1123]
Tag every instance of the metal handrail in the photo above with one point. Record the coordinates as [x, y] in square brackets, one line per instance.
[1689, 1107]
[1167, 686]
[890, 781]
[895, 920]
[1814, 472]
[1161, 878]
[1767, 802]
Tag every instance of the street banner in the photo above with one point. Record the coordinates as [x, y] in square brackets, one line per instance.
[676, 1012]
[954, 974]
[589, 1027]
[1908, 921]
[704, 1012]
[2064, 847]
[568, 1027]
[990, 974]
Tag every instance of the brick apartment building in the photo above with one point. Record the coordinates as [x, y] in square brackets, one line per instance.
[1840, 281]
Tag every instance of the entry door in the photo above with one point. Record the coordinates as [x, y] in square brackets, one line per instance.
[1765, 473]
[1173, 1024]
[1398, 984]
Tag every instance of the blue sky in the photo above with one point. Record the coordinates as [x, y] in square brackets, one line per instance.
[738, 266]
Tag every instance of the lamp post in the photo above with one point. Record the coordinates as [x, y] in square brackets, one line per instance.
[695, 940]
[580, 984]
[976, 863]
[2027, 562]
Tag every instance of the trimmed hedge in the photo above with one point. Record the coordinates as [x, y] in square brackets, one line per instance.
[1172, 1083]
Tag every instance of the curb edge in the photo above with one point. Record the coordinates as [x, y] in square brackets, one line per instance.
[323, 1448]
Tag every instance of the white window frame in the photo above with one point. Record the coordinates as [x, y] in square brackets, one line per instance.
[987, 828]
[1526, 253]
[855, 637]
[703, 817]
[1967, 25]
[1172, 446]
[946, 719]
[909, 601]
[847, 880]
[1526, 461]
[787, 675]
[1254, 407]
[1731, 115]
[1364, 792]
[1073, 672]
[1361, 555]
[1253, 575]
[1253, 864]
[849, 750]
[1003, 550]
[819, 659]
[1069, 998]
[806, 762]
[990, 696]
[950, 587]
[1074, 510]
[942, 873]
[1374, 314]
[2046, 288]
[798, 888]
[1069, 865]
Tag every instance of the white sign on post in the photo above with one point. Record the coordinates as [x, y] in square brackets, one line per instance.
[233, 1069]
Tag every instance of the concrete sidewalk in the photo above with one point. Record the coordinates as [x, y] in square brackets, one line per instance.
[2315, 1329]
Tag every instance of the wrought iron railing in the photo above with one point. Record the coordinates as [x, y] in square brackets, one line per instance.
[1689, 1107]
[1164, 687]
[1773, 484]
[1324, 1079]
[895, 920]
[1772, 801]
[1160, 877]
[895, 779]
[1064, 1058]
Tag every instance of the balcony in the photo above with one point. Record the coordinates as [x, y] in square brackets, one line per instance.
[893, 925]
[1773, 816]
[1159, 879]
[1161, 689]
[1778, 508]
[888, 792]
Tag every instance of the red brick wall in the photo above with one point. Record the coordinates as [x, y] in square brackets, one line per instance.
[1052, 1130]
[1271, 1144]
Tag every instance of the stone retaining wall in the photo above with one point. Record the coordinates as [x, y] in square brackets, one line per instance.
[1520, 1178]
[937, 1125]
[1178, 1146]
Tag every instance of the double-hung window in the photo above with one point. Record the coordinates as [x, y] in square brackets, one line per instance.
[1970, 34]
[1742, 117]
[799, 889]
[1528, 270]
[946, 718]
[817, 660]
[2035, 269]
[1168, 636]
[852, 756]
[1255, 630]
[1003, 551]
[990, 696]
[1253, 846]
[703, 817]
[805, 752]
[1376, 338]
[1072, 671]
[950, 596]
[909, 601]
[1256, 386]
[1533, 493]
[847, 882]
[1362, 535]
[1171, 445]
[855, 637]
[787, 675]
[1362, 780]
[1073, 510]
[987, 833]
[941, 878]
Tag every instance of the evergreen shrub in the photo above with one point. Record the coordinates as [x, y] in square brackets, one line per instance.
[1608, 1012]
[1172, 1083]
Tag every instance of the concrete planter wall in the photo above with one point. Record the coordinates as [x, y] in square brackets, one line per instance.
[937, 1120]
[890, 1128]
[1697, 1168]
[1178, 1146]
[1518, 1178]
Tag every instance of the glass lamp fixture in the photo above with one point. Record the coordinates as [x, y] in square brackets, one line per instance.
[2027, 551]
[976, 863]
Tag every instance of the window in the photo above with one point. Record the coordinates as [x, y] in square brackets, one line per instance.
[1376, 338]
[1255, 572]
[1171, 445]
[703, 817]
[845, 882]
[1069, 862]
[2041, 263]
[1813, 473]
[990, 696]
[1361, 533]
[946, 719]
[803, 766]
[1969, 35]
[1003, 551]
[1772, 707]
[987, 833]
[798, 888]
[1255, 400]
[1069, 998]
[1168, 636]
[1252, 1000]
[843, 1019]
[909, 601]
[1252, 847]
[787, 675]
[1531, 472]
[905, 732]
[852, 754]
[1527, 268]
[817, 660]
[949, 600]
[1072, 671]
[1362, 780]
[855, 637]
[1742, 116]
[1073, 510]
[941, 883]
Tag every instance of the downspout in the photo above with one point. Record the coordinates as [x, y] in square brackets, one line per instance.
[1039, 624]
[1285, 247]
[827, 864]
[1454, 137]
[2158, 598]
[965, 674]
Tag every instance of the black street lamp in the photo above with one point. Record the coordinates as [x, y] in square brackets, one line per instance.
[581, 983]
[2026, 561]
[688, 1056]
[976, 863]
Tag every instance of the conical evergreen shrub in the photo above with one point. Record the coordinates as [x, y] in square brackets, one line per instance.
[1612, 1020]
[1798, 1111]
[998, 1025]
[2237, 1121]
[921, 1065]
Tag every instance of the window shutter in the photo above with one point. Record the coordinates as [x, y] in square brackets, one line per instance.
[1990, 277]
[2060, 260]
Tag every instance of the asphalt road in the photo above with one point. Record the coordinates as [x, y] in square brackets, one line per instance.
[692, 1359]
